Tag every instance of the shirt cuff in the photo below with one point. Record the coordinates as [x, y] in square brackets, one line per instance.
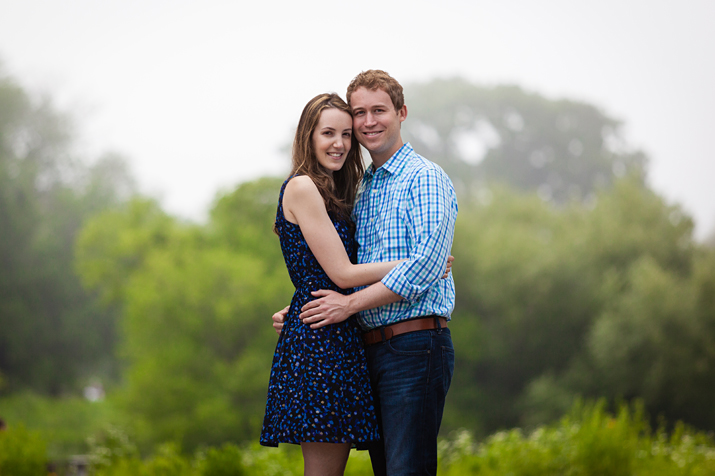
[398, 283]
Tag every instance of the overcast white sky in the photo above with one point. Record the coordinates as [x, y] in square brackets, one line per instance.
[201, 95]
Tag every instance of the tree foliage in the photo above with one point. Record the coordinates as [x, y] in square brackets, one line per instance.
[573, 277]
[602, 300]
[563, 149]
[51, 331]
[196, 305]
[610, 298]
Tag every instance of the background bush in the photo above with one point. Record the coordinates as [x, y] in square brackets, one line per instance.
[588, 441]
[22, 452]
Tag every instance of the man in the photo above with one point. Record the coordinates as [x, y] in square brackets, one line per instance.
[406, 209]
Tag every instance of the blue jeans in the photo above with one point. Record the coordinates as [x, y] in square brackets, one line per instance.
[410, 376]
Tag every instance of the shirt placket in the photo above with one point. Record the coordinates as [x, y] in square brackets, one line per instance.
[377, 197]
[376, 204]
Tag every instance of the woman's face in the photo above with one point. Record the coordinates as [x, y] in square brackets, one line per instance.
[332, 137]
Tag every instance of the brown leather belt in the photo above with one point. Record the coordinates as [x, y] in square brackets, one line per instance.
[420, 324]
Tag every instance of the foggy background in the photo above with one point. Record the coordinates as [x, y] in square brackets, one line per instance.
[139, 320]
[201, 95]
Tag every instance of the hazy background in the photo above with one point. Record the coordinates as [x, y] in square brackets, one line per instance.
[201, 95]
[122, 322]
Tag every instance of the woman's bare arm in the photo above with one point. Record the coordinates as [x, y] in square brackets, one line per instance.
[303, 205]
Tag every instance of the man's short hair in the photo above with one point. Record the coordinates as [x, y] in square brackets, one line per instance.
[373, 79]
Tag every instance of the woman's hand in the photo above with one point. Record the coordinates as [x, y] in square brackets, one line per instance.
[450, 259]
[279, 319]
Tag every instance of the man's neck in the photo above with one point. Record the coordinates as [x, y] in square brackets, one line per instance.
[381, 159]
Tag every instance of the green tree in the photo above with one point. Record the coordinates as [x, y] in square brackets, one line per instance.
[563, 149]
[532, 282]
[523, 304]
[115, 244]
[243, 220]
[50, 326]
[196, 303]
[654, 341]
[554, 214]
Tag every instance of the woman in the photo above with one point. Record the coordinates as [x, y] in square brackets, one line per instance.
[319, 392]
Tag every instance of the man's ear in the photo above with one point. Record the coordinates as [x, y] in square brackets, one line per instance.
[402, 113]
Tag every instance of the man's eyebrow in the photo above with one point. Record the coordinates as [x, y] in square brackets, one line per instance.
[372, 106]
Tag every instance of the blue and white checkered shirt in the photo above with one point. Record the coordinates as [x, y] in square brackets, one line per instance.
[407, 209]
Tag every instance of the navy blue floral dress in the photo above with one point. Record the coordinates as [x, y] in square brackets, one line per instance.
[319, 389]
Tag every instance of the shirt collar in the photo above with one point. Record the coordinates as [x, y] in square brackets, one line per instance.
[395, 163]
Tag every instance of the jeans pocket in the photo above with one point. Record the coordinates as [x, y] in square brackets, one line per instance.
[413, 343]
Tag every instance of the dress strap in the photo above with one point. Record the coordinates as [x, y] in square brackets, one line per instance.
[279, 214]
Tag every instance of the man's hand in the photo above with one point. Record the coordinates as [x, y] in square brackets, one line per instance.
[330, 308]
[279, 319]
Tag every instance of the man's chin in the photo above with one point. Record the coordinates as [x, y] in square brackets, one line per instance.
[369, 142]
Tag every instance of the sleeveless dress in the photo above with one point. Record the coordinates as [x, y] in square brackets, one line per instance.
[319, 388]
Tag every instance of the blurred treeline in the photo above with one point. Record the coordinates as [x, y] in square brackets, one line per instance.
[52, 331]
[573, 277]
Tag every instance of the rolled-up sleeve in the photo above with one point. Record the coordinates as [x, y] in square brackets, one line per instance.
[429, 212]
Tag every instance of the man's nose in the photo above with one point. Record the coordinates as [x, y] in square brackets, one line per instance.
[369, 119]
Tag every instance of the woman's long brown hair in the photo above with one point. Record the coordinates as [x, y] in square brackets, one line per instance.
[339, 188]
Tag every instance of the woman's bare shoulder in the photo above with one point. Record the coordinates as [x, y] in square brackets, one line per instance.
[301, 186]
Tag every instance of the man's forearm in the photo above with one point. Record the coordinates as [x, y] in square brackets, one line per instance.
[375, 295]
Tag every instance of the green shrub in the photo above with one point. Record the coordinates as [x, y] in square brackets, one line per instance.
[167, 461]
[22, 452]
[224, 461]
[64, 423]
[588, 442]
[111, 448]
[286, 460]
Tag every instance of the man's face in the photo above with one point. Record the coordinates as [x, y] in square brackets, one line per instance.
[376, 124]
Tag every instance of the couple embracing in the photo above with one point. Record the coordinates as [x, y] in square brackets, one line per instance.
[365, 357]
